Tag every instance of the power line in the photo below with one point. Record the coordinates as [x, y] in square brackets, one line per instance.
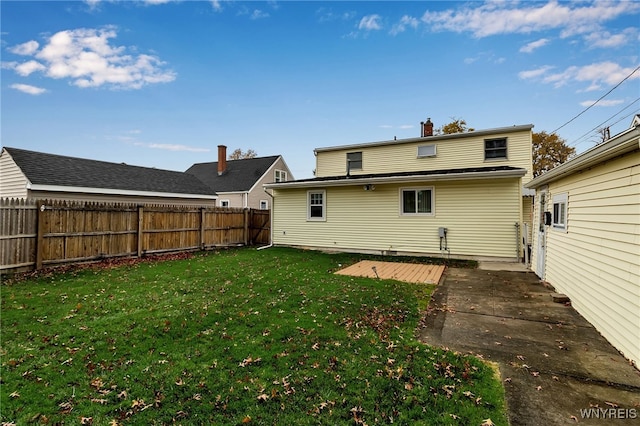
[576, 142]
[601, 97]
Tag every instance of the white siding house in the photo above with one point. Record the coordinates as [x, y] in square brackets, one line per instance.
[587, 236]
[458, 195]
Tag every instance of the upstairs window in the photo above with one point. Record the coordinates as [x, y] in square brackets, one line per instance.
[280, 176]
[264, 205]
[495, 149]
[224, 203]
[416, 201]
[354, 160]
[427, 151]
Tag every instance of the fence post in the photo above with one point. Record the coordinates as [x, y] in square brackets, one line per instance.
[40, 236]
[246, 226]
[202, 223]
[140, 224]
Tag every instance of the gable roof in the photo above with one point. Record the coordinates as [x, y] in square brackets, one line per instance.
[403, 177]
[240, 175]
[622, 143]
[45, 171]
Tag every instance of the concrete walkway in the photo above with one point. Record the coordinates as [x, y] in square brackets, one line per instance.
[553, 363]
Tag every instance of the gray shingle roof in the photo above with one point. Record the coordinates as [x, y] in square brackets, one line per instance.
[240, 175]
[50, 169]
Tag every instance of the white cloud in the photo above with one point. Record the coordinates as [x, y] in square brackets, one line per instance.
[535, 73]
[172, 147]
[605, 73]
[29, 67]
[28, 48]
[493, 18]
[405, 21]
[26, 88]
[530, 47]
[604, 39]
[603, 103]
[217, 5]
[85, 57]
[370, 23]
[258, 14]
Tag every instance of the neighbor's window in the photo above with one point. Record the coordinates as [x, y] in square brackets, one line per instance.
[280, 176]
[416, 200]
[264, 205]
[354, 160]
[495, 148]
[427, 151]
[559, 220]
[317, 204]
[224, 203]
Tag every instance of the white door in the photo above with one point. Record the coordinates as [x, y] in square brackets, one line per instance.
[542, 237]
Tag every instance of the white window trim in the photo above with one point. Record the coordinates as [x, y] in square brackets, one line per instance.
[561, 199]
[283, 175]
[435, 152]
[225, 201]
[324, 205]
[417, 188]
[506, 150]
[266, 203]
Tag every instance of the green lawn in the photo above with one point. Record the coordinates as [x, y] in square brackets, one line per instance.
[233, 337]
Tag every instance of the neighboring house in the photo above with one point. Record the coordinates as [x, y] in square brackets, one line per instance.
[458, 194]
[238, 183]
[37, 175]
[587, 236]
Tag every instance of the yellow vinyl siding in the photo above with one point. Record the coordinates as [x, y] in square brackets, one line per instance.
[596, 261]
[480, 216]
[13, 183]
[450, 154]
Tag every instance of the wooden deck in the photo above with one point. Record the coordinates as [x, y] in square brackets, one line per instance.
[408, 272]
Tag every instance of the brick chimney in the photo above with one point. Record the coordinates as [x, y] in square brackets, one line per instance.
[427, 128]
[222, 159]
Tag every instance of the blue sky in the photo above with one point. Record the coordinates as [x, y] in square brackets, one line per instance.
[162, 83]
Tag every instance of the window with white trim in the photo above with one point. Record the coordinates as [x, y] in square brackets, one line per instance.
[427, 151]
[316, 205]
[354, 160]
[495, 149]
[417, 201]
[224, 203]
[559, 216]
[280, 176]
[264, 204]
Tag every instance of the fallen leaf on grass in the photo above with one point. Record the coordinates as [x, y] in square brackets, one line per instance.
[487, 422]
[14, 394]
[86, 420]
[538, 388]
[246, 419]
[263, 397]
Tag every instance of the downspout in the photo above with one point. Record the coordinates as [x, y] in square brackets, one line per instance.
[271, 220]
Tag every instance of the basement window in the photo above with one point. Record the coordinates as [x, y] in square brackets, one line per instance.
[427, 151]
[495, 149]
[264, 204]
[559, 220]
[224, 203]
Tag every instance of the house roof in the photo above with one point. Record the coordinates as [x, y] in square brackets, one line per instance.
[239, 176]
[477, 133]
[399, 177]
[622, 143]
[58, 172]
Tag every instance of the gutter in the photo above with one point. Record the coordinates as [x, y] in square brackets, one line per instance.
[355, 180]
[109, 191]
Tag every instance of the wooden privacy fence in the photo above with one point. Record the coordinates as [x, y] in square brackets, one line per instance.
[35, 234]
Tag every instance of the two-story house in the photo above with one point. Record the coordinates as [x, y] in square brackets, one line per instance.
[458, 194]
